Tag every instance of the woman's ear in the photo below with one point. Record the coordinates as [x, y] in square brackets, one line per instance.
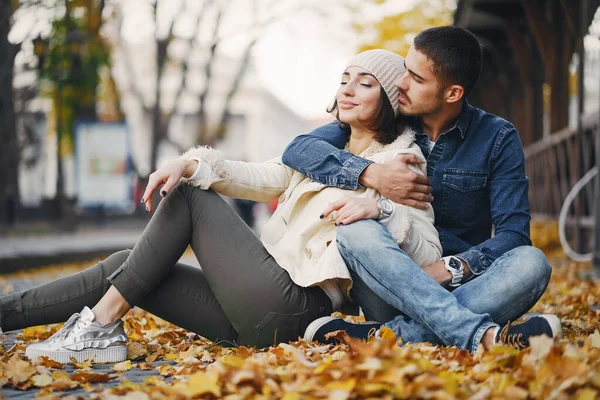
[454, 93]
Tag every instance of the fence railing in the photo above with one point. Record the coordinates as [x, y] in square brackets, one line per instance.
[554, 165]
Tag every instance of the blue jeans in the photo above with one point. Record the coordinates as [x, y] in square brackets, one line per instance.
[389, 286]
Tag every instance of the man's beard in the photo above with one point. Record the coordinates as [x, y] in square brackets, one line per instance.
[422, 109]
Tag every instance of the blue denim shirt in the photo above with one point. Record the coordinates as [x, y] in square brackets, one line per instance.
[477, 170]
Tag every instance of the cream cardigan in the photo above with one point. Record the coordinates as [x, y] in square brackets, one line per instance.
[301, 242]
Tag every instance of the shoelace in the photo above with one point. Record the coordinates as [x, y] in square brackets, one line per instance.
[512, 339]
[66, 328]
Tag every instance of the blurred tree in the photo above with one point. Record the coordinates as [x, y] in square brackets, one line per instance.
[183, 59]
[396, 32]
[9, 155]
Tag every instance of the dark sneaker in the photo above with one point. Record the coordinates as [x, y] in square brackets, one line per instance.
[518, 334]
[317, 329]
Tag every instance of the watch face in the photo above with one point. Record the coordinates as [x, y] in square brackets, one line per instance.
[455, 263]
[386, 206]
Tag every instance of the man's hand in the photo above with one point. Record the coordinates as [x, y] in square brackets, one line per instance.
[168, 176]
[352, 209]
[442, 276]
[395, 181]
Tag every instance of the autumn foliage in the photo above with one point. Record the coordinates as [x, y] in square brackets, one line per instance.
[187, 366]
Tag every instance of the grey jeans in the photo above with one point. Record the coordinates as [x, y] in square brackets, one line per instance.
[241, 295]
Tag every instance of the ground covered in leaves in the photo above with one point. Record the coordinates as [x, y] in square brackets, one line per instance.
[184, 365]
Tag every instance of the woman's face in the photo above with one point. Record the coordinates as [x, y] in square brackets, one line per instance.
[358, 97]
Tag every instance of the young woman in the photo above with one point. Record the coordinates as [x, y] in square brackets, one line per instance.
[249, 292]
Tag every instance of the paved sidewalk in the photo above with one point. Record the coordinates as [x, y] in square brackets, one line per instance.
[22, 252]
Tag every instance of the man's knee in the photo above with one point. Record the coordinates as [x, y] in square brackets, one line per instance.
[533, 261]
[360, 234]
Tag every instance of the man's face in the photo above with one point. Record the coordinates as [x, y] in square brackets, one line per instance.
[420, 92]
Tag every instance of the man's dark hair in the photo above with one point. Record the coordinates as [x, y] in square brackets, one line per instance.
[387, 126]
[456, 55]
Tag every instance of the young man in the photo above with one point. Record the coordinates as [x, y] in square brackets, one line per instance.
[476, 178]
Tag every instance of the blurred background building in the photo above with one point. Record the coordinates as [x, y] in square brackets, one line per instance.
[95, 94]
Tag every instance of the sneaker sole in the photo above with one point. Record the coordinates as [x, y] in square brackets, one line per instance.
[555, 325]
[108, 355]
[314, 326]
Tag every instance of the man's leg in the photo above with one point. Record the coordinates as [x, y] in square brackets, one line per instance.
[508, 289]
[371, 252]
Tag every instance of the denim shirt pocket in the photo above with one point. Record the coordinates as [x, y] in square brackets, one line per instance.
[464, 196]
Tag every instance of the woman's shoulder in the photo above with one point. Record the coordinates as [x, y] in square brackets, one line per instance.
[403, 141]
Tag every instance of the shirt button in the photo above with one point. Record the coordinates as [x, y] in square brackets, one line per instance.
[308, 253]
[282, 197]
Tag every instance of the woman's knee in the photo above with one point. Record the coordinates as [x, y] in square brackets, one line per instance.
[113, 262]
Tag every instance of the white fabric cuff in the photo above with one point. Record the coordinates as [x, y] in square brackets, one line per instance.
[203, 170]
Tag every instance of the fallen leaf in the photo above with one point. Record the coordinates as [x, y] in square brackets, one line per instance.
[144, 366]
[136, 350]
[84, 376]
[87, 364]
[17, 370]
[41, 380]
[200, 383]
[47, 362]
[122, 366]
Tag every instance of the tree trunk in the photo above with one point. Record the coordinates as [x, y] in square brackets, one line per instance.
[9, 154]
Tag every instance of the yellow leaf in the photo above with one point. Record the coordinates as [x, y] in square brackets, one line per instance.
[200, 383]
[387, 334]
[17, 370]
[232, 361]
[171, 356]
[586, 394]
[594, 339]
[41, 380]
[346, 386]
[122, 366]
[291, 396]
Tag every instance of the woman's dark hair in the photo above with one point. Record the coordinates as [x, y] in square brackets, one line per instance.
[387, 126]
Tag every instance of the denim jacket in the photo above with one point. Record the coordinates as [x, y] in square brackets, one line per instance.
[477, 170]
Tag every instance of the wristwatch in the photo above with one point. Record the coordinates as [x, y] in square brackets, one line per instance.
[456, 268]
[386, 208]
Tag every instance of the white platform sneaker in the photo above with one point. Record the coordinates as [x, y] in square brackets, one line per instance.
[82, 338]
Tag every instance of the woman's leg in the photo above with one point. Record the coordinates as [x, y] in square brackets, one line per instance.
[180, 298]
[258, 296]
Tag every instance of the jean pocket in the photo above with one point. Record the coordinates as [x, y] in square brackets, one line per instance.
[464, 195]
[277, 328]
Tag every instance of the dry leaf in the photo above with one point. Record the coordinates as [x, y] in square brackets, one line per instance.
[136, 350]
[17, 370]
[84, 376]
[41, 380]
[86, 365]
[122, 366]
[198, 384]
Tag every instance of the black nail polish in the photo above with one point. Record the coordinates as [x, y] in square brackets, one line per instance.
[336, 224]
[147, 210]
[321, 216]
[341, 223]
[164, 193]
[142, 201]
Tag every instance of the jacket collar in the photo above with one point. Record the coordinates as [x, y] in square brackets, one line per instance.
[461, 123]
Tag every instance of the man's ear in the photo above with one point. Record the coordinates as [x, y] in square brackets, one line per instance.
[454, 93]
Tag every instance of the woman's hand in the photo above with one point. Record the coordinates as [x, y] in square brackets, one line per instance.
[167, 176]
[352, 209]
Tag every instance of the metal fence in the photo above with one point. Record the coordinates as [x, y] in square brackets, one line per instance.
[554, 165]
